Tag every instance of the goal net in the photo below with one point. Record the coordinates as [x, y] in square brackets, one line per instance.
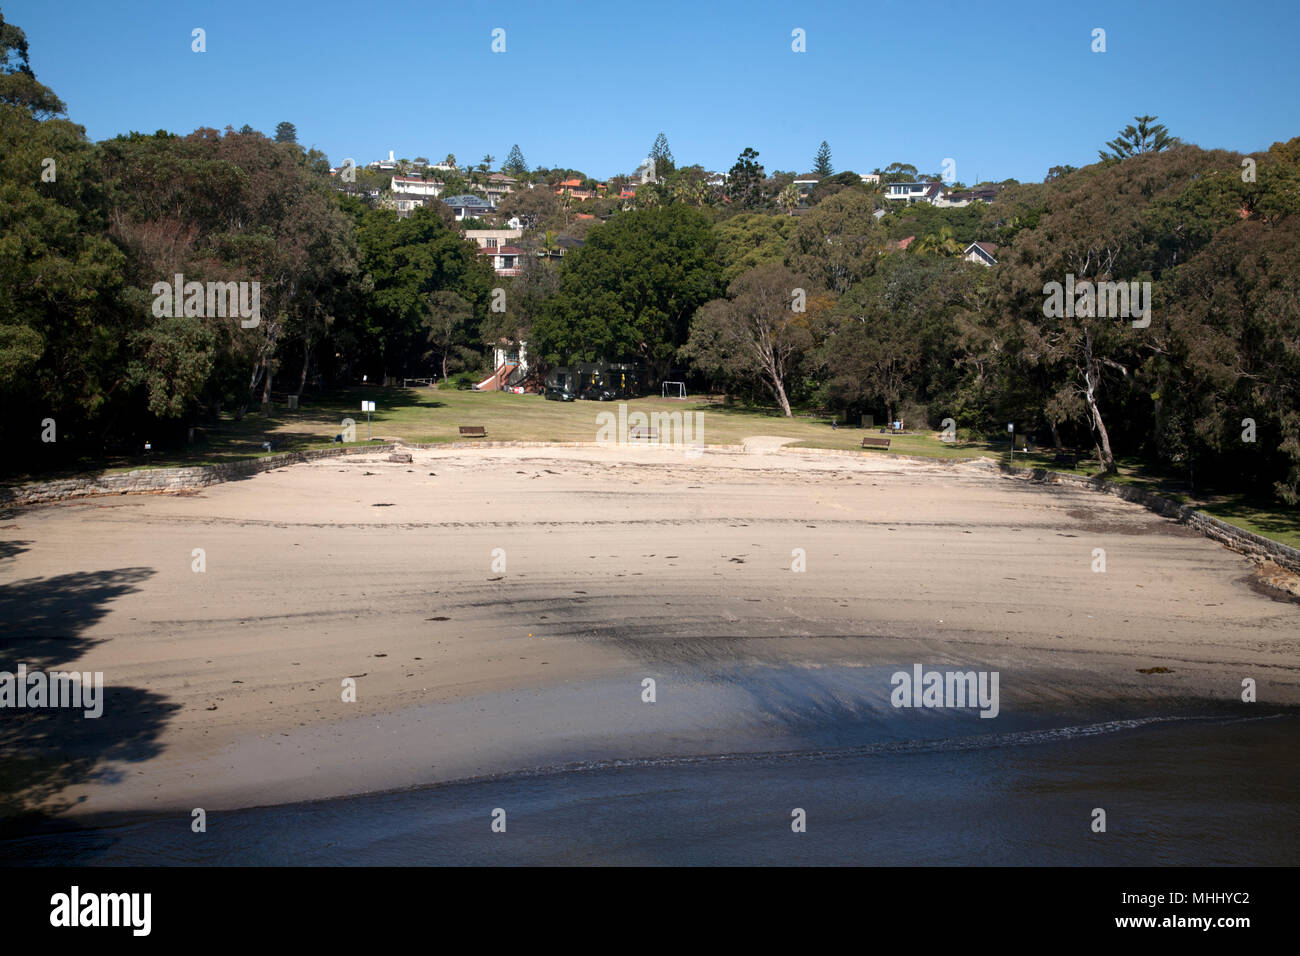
[674, 390]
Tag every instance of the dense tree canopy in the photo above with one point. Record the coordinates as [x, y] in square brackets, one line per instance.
[782, 298]
[630, 292]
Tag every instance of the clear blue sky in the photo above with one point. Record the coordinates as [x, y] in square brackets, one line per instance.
[1007, 89]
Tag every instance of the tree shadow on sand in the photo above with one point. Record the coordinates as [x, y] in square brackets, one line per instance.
[45, 750]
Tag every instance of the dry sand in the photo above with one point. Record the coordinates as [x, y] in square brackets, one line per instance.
[225, 686]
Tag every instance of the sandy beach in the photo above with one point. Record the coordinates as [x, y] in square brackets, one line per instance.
[500, 609]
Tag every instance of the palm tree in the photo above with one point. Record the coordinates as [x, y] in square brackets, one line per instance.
[941, 243]
[788, 198]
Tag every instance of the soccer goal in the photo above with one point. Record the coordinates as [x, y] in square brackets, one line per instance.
[674, 390]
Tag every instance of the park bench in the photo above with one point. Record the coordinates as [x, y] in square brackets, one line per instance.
[1067, 458]
[869, 442]
[644, 434]
[473, 431]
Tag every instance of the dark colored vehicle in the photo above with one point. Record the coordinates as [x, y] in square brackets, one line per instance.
[560, 384]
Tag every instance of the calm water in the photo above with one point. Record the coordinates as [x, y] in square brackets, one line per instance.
[1184, 790]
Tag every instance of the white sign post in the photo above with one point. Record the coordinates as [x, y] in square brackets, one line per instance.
[1011, 428]
[367, 407]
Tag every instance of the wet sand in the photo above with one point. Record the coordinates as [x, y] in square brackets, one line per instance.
[224, 687]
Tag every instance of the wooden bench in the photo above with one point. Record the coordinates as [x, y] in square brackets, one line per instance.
[473, 431]
[869, 442]
[644, 434]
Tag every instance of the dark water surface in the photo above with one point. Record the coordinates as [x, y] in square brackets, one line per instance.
[1177, 790]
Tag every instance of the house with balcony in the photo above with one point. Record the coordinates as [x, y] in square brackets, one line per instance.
[415, 185]
[493, 238]
[498, 185]
[575, 188]
[469, 207]
[978, 194]
[510, 361]
[506, 260]
[915, 192]
[806, 183]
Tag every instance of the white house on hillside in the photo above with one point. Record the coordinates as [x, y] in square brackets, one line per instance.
[915, 192]
[806, 183]
[415, 186]
[506, 260]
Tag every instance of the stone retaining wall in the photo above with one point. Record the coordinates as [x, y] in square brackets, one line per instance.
[864, 453]
[147, 480]
[1254, 546]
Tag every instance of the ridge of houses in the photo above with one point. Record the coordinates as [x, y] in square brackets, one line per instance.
[409, 192]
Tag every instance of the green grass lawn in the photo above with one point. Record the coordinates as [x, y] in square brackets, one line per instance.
[431, 415]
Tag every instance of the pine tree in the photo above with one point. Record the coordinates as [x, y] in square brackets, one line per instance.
[822, 164]
[286, 132]
[1147, 136]
[662, 156]
[515, 164]
[745, 180]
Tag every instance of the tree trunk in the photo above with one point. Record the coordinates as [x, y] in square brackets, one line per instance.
[1056, 436]
[254, 379]
[444, 365]
[1104, 454]
[779, 390]
[306, 361]
[1092, 379]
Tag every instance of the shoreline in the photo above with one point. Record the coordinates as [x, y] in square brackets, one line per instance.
[866, 727]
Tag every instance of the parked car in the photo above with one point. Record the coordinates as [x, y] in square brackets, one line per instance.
[560, 385]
